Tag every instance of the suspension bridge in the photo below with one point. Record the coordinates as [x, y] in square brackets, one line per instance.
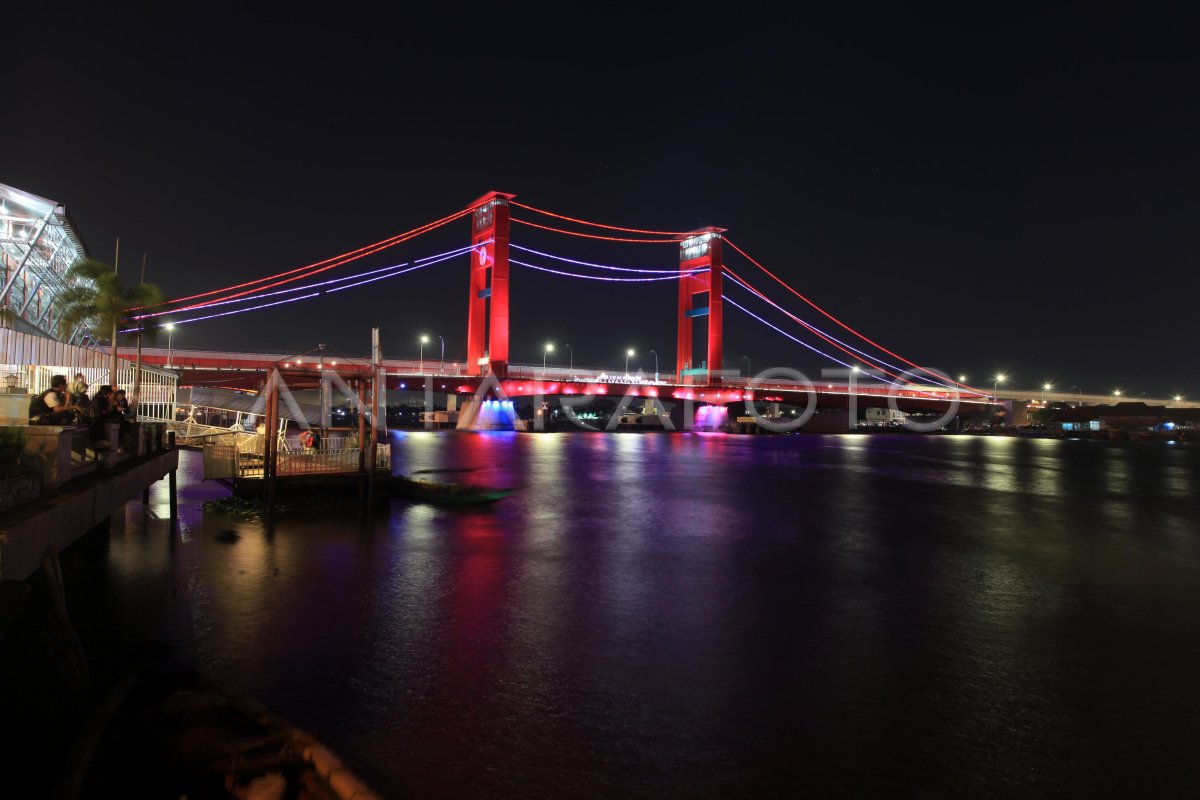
[710, 270]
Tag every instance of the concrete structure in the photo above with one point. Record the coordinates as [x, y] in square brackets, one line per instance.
[62, 518]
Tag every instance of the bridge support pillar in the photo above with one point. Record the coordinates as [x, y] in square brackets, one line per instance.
[487, 311]
[700, 258]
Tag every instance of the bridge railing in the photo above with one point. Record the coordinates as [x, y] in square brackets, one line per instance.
[585, 374]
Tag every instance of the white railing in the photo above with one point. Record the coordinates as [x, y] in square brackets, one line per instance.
[225, 460]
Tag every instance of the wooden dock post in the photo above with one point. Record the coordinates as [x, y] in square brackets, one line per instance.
[362, 426]
[172, 487]
[271, 446]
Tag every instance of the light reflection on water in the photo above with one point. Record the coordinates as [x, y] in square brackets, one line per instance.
[700, 615]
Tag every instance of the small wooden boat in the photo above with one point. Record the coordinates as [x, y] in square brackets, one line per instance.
[454, 495]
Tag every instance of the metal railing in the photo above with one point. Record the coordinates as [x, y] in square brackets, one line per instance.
[226, 460]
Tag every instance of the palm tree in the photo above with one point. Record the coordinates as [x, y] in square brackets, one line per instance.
[96, 300]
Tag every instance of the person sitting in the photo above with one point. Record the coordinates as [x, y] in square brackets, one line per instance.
[102, 413]
[51, 407]
[78, 386]
[79, 396]
[121, 404]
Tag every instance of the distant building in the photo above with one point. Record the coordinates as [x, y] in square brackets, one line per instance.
[884, 416]
[1126, 416]
[38, 244]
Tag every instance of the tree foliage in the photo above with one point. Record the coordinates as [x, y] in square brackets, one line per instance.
[96, 300]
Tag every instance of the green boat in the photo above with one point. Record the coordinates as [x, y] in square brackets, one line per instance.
[445, 494]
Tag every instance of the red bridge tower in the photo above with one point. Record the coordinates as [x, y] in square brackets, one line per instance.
[487, 333]
[701, 250]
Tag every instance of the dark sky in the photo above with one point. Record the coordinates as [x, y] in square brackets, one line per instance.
[976, 193]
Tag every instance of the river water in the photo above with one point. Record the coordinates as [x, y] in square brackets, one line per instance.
[704, 615]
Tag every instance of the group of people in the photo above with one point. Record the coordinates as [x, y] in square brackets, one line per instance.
[63, 405]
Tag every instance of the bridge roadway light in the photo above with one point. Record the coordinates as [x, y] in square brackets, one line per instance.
[999, 379]
[549, 349]
[655, 365]
[572, 354]
[628, 355]
[170, 326]
[424, 341]
[1045, 388]
[1116, 392]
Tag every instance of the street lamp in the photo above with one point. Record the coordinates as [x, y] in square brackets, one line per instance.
[655, 366]
[170, 326]
[1178, 398]
[962, 378]
[442, 361]
[1045, 388]
[747, 359]
[1116, 392]
[999, 379]
[572, 354]
[549, 349]
[424, 341]
[628, 355]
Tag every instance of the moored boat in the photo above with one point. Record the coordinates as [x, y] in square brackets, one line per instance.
[445, 494]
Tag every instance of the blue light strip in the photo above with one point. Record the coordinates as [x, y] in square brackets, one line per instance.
[866, 356]
[590, 264]
[249, 298]
[428, 261]
[674, 276]
[735, 304]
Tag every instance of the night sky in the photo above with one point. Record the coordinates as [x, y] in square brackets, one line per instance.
[977, 193]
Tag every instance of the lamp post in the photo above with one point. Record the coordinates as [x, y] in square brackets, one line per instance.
[1045, 388]
[1116, 392]
[999, 379]
[170, 326]
[424, 341]
[655, 366]
[442, 361]
[628, 355]
[747, 359]
[572, 354]
[549, 349]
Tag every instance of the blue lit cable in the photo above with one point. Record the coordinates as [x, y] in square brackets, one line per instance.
[674, 276]
[429, 259]
[234, 311]
[590, 264]
[832, 338]
[745, 310]
[436, 260]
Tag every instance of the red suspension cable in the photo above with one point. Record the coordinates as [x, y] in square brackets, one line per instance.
[794, 318]
[344, 258]
[596, 224]
[831, 316]
[309, 274]
[593, 235]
